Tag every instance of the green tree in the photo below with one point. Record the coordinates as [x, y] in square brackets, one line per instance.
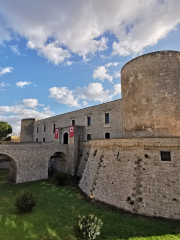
[5, 130]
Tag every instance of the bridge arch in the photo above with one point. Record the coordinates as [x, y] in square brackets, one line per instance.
[57, 162]
[12, 166]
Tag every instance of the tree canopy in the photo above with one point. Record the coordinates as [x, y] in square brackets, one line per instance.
[5, 130]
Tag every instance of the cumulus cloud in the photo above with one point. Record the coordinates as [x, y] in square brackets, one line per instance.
[15, 49]
[65, 96]
[101, 74]
[52, 51]
[92, 92]
[32, 103]
[5, 70]
[59, 29]
[22, 84]
[14, 114]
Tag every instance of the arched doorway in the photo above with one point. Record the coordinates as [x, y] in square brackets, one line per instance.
[8, 167]
[57, 163]
[65, 138]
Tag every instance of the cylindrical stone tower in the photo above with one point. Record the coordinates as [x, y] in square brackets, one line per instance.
[151, 95]
[27, 130]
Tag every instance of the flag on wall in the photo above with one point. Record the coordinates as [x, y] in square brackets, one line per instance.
[71, 131]
[56, 133]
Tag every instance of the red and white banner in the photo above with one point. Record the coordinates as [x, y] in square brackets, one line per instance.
[56, 133]
[71, 131]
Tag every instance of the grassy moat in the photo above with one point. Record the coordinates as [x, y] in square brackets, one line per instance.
[58, 208]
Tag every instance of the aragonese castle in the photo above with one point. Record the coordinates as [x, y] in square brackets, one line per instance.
[127, 151]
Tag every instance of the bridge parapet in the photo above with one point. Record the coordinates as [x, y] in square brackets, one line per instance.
[32, 159]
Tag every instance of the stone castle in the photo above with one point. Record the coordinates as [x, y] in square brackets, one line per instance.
[127, 151]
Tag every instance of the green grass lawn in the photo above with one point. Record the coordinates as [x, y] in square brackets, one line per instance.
[58, 208]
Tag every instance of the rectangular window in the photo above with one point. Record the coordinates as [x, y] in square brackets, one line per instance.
[54, 126]
[73, 122]
[106, 117]
[88, 137]
[107, 135]
[43, 139]
[36, 139]
[44, 128]
[89, 121]
[37, 129]
[165, 156]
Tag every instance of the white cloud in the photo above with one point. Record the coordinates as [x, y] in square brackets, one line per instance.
[52, 51]
[105, 57]
[14, 114]
[69, 63]
[117, 89]
[32, 103]
[3, 85]
[5, 34]
[22, 84]
[15, 49]
[117, 74]
[65, 96]
[111, 64]
[5, 70]
[93, 92]
[81, 26]
[101, 74]
[85, 103]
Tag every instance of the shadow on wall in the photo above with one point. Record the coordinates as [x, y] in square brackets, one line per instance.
[57, 163]
[6, 162]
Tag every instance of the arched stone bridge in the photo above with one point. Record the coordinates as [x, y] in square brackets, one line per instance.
[29, 162]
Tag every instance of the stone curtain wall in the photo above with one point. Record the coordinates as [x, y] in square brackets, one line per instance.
[129, 174]
[97, 129]
[151, 95]
[32, 159]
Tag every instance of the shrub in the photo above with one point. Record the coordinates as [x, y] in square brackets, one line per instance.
[25, 201]
[60, 178]
[89, 227]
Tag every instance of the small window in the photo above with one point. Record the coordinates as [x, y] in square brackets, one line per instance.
[106, 117]
[36, 139]
[107, 135]
[89, 121]
[37, 129]
[44, 139]
[54, 127]
[165, 156]
[44, 128]
[73, 122]
[88, 137]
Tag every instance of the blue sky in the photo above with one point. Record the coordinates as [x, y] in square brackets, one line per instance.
[59, 56]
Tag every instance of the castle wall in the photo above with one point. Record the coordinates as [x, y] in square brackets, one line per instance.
[97, 129]
[129, 174]
[151, 95]
[27, 130]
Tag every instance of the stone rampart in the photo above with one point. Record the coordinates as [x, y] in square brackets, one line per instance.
[129, 174]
